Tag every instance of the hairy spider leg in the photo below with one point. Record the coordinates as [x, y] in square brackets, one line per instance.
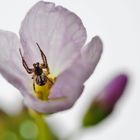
[45, 63]
[29, 70]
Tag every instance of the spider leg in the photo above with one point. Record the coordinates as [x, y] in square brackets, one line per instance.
[50, 80]
[45, 63]
[29, 70]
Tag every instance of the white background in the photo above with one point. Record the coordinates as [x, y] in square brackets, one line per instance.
[117, 22]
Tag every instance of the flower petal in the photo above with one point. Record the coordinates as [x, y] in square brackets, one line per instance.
[59, 32]
[73, 78]
[50, 106]
[10, 62]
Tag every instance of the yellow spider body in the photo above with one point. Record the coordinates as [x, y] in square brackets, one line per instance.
[42, 91]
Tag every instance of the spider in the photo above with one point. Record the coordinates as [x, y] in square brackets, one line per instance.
[42, 82]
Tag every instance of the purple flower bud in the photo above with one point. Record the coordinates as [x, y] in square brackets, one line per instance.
[105, 101]
[113, 91]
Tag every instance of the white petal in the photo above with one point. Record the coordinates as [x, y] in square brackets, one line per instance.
[72, 79]
[10, 61]
[51, 106]
[92, 51]
[59, 32]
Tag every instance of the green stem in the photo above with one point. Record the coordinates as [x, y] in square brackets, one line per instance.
[39, 119]
[44, 131]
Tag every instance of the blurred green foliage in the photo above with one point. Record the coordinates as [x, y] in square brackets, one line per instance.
[23, 127]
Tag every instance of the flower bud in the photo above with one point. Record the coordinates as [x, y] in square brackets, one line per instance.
[104, 102]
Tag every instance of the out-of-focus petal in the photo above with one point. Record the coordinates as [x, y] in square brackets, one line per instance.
[10, 61]
[59, 32]
[105, 101]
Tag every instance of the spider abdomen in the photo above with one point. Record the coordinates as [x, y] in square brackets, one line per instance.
[41, 80]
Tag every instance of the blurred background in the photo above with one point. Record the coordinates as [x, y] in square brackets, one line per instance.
[118, 24]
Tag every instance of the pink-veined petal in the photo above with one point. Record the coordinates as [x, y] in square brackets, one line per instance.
[59, 32]
[69, 84]
[10, 61]
[73, 78]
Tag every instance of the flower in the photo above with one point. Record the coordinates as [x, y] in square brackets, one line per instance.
[55, 33]
[105, 101]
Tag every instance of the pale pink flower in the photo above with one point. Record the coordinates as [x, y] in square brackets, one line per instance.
[61, 36]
